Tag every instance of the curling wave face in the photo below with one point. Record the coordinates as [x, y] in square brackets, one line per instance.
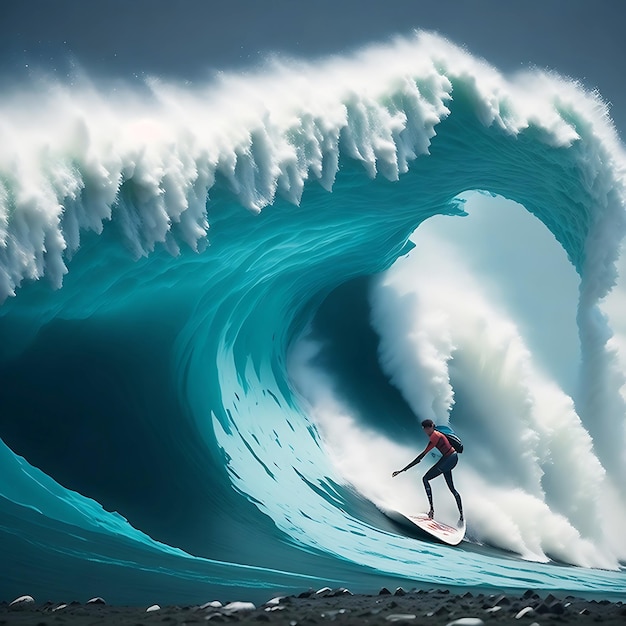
[163, 256]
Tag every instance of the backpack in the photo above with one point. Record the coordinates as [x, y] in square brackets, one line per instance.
[452, 437]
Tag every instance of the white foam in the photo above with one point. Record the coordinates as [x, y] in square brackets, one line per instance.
[68, 151]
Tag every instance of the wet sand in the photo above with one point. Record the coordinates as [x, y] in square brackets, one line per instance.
[435, 608]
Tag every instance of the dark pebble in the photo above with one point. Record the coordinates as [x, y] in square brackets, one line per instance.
[502, 601]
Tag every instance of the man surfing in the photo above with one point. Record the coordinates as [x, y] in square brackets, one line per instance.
[445, 465]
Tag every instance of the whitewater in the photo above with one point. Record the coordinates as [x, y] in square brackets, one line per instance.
[227, 306]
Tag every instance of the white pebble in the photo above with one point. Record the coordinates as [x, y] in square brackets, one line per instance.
[525, 611]
[467, 621]
[23, 600]
[154, 607]
[216, 604]
[236, 607]
[400, 617]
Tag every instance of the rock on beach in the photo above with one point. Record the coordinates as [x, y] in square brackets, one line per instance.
[340, 606]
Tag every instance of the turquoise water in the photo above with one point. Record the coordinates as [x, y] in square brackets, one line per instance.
[225, 315]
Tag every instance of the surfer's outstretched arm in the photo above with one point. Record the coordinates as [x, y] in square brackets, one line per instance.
[417, 459]
[414, 462]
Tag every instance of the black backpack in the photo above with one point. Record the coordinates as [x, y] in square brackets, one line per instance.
[452, 437]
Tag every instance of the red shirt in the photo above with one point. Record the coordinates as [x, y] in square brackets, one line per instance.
[440, 441]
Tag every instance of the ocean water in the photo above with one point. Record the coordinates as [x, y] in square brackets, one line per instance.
[226, 308]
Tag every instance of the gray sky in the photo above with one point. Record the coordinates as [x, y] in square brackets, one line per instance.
[185, 39]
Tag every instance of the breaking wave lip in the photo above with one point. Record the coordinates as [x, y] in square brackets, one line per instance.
[81, 158]
[160, 174]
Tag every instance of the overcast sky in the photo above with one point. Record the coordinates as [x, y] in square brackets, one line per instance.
[185, 39]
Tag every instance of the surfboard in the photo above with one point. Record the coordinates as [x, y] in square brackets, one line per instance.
[451, 535]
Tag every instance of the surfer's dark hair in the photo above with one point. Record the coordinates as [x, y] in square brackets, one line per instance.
[427, 423]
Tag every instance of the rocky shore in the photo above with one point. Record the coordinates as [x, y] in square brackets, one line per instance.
[340, 606]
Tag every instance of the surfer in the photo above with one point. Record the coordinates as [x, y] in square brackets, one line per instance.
[445, 465]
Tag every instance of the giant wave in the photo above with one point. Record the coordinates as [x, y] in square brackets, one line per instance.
[224, 315]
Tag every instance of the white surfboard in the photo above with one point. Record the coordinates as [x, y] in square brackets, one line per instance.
[451, 535]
